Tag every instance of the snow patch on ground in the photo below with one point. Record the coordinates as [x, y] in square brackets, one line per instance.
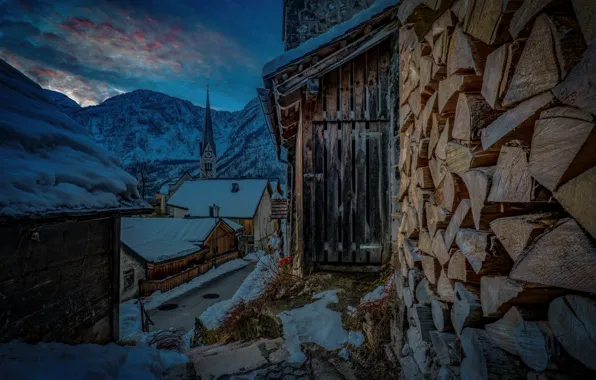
[158, 298]
[254, 256]
[251, 288]
[317, 324]
[375, 295]
[19, 360]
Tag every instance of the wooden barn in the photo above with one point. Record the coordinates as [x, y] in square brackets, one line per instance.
[327, 103]
[162, 253]
[61, 200]
[244, 201]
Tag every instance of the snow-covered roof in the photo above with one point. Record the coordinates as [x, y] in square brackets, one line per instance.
[49, 164]
[161, 239]
[197, 196]
[233, 225]
[331, 35]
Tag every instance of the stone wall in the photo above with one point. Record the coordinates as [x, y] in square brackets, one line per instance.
[129, 262]
[305, 19]
[56, 281]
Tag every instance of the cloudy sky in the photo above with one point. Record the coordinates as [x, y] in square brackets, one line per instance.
[94, 49]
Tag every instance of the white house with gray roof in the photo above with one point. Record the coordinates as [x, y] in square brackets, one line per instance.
[243, 201]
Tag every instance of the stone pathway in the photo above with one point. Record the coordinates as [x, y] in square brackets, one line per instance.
[259, 360]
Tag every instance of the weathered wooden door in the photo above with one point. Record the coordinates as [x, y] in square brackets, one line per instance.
[345, 163]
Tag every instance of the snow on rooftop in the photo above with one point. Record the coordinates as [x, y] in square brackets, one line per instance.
[49, 163]
[331, 35]
[233, 225]
[197, 196]
[161, 239]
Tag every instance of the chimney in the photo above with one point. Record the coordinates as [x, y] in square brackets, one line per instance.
[214, 211]
[235, 187]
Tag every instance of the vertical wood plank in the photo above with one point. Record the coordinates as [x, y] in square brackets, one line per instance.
[331, 81]
[299, 201]
[385, 189]
[346, 188]
[372, 96]
[384, 63]
[345, 77]
[373, 191]
[116, 278]
[307, 111]
[318, 106]
[332, 189]
[360, 219]
[319, 196]
[359, 86]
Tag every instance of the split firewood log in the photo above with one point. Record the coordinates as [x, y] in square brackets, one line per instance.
[499, 293]
[511, 180]
[577, 197]
[450, 88]
[530, 9]
[420, 349]
[408, 296]
[459, 269]
[567, 246]
[554, 47]
[411, 253]
[445, 287]
[466, 55]
[466, 310]
[440, 250]
[441, 315]
[438, 123]
[447, 347]
[444, 138]
[460, 158]
[516, 232]
[562, 147]
[411, 222]
[441, 48]
[484, 252]
[472, 114]
[431, 268]
[424, 292]
[573, 321]
[585, 11]
[450, 192]
[499, 70]
[488, 20]
[436, 218]
[438, 169]
[462, 218]
[536, 344]
[426, 67]
[577, 89]
[484, 360]
[420, 316]
[424, 242]
[502, 331]
[515, 124]
[414, 277]
[430, 107]
[424, 178]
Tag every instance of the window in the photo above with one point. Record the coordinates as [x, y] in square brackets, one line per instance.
[129, 278]
[207, 165]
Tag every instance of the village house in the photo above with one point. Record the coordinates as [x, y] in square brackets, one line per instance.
[243, 201]
[61, 201]
[162, 253]
[327, 106]
[168, 189]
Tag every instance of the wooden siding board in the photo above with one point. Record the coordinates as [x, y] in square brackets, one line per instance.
[359, 87]
[345, 78]
[361, 214]
[384, 186]
[346, 180]
[332, 190]
[373, 191]
[331, 94]
[372, 95]
[308, 183]
[319, 195]
[384, 63]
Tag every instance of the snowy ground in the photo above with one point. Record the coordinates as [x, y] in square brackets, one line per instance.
[251, 288]
[19, 360]
[318, 324]
[130, 316]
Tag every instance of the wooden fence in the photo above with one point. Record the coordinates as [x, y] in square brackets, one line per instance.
[147, 287]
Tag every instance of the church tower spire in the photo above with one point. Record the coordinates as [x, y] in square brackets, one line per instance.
[208, 151]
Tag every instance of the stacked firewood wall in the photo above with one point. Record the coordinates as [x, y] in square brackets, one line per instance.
[497, 161]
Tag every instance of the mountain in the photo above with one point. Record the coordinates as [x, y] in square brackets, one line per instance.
[66, 104]
[163, 133]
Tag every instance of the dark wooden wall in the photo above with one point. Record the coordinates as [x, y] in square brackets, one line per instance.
[345, 163]
[59, 281]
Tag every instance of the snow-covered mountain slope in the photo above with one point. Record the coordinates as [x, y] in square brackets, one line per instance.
[66, 104]
[147, 126]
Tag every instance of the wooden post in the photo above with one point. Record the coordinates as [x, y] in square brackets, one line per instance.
[116, 278]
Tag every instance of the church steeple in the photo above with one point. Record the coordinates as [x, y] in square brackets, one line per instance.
[208, 150]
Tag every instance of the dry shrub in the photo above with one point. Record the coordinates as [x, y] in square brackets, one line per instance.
[169, 340]
[246, 321]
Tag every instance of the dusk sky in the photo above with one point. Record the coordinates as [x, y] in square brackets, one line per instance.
[94, 49]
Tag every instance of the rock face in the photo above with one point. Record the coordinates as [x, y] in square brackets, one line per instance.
[147, 126]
